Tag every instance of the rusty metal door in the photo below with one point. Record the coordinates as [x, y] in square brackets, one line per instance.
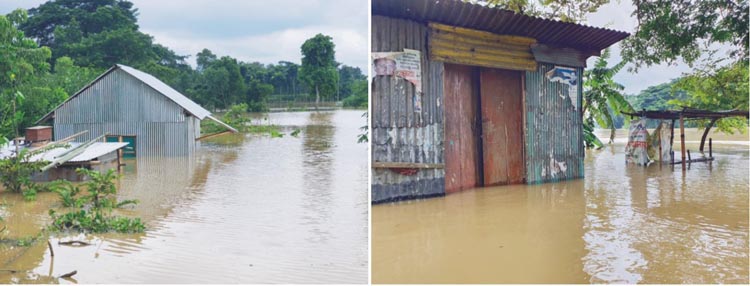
[502, 126]
[461, 157]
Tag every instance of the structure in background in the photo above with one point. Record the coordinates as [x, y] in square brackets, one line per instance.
[682, 116]
[132, 107]
[62, 161]
[492, 98]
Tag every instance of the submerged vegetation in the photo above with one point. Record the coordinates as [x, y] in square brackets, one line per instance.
[92, 211]
[238, 118]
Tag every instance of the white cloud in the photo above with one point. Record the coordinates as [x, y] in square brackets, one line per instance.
[351, 46]
[263, 31]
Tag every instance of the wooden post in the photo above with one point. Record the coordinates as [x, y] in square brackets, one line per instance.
[672, 153]
[710, 149]
[689, 158]
[682, 140]
[705, 133]
[660, 158]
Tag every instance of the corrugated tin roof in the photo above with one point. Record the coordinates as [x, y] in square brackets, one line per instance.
[499, 21]
[192, 107]
[96, 150]
[161, 87]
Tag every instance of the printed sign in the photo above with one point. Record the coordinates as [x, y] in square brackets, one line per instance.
[567, 76]
[406, 64]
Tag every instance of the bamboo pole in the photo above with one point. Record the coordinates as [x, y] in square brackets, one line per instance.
[682, 140]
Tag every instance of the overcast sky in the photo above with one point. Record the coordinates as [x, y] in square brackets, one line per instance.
[617, 15]
[263, 31]
[270, 31]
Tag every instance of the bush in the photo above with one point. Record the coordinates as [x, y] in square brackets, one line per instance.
[93, 210]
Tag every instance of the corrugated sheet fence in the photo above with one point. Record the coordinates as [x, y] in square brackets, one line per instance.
[401, 132]
[554, 133]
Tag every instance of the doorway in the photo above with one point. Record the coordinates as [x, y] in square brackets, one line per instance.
[130, 150]
[483, 127]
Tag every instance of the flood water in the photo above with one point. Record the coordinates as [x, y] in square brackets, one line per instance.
[621, 224]
[247, 209]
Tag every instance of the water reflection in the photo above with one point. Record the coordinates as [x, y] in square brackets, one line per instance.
[621, 224]
[245, 209]
[317, 153]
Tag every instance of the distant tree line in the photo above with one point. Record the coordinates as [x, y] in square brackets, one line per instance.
[53, 50]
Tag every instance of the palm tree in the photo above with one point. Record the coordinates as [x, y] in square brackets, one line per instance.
[602, 99]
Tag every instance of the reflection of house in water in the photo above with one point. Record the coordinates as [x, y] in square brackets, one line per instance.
[133, 107]
[498, 100]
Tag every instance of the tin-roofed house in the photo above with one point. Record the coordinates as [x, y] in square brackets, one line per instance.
[133, 107]
[467, 96]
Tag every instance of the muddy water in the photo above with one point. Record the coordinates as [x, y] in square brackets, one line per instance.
[621, 224]
[245, 209]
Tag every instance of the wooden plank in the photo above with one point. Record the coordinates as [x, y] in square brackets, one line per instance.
[381, 165]
[485, 62]
[447, 44]
[459, 143]
[479, 48]
[501, 95]
[213, 135]
[486, 36]
[682, 140]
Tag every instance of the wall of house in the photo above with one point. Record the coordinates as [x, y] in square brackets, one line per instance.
[119, 104]
[554, 130]
[399, 132]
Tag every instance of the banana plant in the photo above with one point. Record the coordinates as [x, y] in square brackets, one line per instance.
[603, 99]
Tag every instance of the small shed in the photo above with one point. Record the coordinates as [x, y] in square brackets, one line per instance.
[465, 95]
[134, 107]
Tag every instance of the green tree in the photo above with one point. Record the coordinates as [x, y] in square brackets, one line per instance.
[683, 29]
[318, 70]
[22, 59]
[348, 78]
[602, 97]
[563, 10]
[717, 88]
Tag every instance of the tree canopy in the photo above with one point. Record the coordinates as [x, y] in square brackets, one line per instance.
[318, 70]
[57, 48]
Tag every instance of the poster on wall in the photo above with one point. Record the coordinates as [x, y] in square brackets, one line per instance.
[567, 76]
[406, 65]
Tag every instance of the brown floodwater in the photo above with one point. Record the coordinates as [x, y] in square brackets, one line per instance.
[621, 224]
[245, 209]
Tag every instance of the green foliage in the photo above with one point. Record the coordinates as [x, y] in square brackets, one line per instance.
[350, 82]
[563, 10]
[684, 29]
[20, 62]
[318, 69]
[717, 88]
[93, 210]
[602, 97]
[16, 171]
[364, 136]
[359, 99]
[657, 97]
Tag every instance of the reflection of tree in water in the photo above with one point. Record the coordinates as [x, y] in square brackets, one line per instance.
[318, 159]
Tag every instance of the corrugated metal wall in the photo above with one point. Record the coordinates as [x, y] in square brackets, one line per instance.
[554, 132]
[400, 134]
[119, 104]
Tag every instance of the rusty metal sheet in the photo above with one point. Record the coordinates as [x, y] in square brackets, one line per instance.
[460, 116]
[502, 131]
